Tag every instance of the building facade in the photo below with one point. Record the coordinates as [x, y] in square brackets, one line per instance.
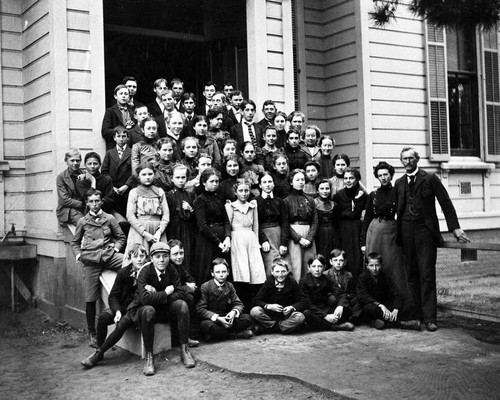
[374, 90]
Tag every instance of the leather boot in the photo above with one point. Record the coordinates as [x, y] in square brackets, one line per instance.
[186, 357]
[93, 340]
[344, 326]
[92, 360]
[149, 367]
[193, 343]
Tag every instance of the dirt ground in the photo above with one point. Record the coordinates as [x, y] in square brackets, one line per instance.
[40, 359]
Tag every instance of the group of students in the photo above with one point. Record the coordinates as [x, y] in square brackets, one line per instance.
[262, 202]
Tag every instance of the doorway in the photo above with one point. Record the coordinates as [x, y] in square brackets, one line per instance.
[194, 40]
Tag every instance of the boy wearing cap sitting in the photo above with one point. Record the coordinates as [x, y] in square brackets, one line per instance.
[159, 298]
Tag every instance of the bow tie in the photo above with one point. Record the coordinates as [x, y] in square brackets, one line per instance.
[123, 108]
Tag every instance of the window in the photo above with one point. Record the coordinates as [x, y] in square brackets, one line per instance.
[463, 107]
[463, 93]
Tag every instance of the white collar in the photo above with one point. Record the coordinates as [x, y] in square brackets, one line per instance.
[413, 173]
[266, 195]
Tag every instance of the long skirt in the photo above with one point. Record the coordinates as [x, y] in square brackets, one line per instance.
[273, 235]
[326, 240]
[297, 255]
[349, 231]
[207, 251]
[150, 225]
[381, 238]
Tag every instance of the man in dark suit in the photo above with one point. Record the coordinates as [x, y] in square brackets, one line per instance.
[269, 110]
[118, 114]
[234, 110]
[156, 107]
[131, 83]
[247, 130]
[188, 105]
[160, 297]
[208, 93]
[419, 234]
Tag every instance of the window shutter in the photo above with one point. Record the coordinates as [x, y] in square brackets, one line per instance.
[492, 94]
[437, 94]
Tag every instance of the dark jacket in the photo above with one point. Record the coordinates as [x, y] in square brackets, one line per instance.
[158, 299]
[112, 119]
[290, 295]
[381, 291]
[427, 189]
[123, 290]
[118, 169]
[236, 133]
[214, 301]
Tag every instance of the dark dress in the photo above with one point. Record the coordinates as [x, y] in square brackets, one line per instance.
[182, 224]
[296, 157]
[214, 227]
[282, 187]
[351, 203]
[327, 169]
[326, 237]
[273, 227]
[380, 231]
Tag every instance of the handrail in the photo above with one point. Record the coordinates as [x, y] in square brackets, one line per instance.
[471, 246]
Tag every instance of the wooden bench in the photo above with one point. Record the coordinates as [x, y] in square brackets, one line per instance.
[132, 339]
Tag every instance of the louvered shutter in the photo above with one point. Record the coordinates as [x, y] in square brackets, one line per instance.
[491, 94]
[439, 129]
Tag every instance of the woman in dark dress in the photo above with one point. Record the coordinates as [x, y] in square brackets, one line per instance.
[274, 227]
[379, 226]
[351, 202]
[214, 236]
[182, 224]
[281, 173]
[326, 238]
[303, 225]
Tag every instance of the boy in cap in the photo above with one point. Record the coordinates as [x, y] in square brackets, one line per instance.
[160, 297]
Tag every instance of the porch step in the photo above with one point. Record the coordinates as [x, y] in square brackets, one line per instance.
[132, 339]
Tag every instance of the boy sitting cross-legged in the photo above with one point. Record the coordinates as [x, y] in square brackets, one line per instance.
[279, 303]
[380, 298]
[219, 308]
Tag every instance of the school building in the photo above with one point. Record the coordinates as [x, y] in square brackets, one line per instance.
[373, 89]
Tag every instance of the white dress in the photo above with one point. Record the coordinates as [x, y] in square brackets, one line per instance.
[246, 260]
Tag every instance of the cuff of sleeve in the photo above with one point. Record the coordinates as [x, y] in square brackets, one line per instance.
[214, 317]
[237, 313]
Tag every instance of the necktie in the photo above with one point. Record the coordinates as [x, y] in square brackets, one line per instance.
[120, 151]
[162, 279]
[252, 134]
[125, 114]
[189, 117]
[412, 181]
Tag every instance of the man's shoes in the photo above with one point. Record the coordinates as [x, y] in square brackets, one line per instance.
[412, 325]
[186, 357]
[344, 326]
[431, 326]
[92, 360]
[93, 340]
[378, 324]
[258, 330]
[149, 367]
[193, 343]
[245, 334]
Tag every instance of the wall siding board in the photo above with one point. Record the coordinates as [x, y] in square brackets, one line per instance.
[11, 40]
[78, 20]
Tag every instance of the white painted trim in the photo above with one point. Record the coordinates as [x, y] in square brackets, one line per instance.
[364, 93]
[98, 87]
[286, 12]
[257, 51]
[2, 183]
[301, 57]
